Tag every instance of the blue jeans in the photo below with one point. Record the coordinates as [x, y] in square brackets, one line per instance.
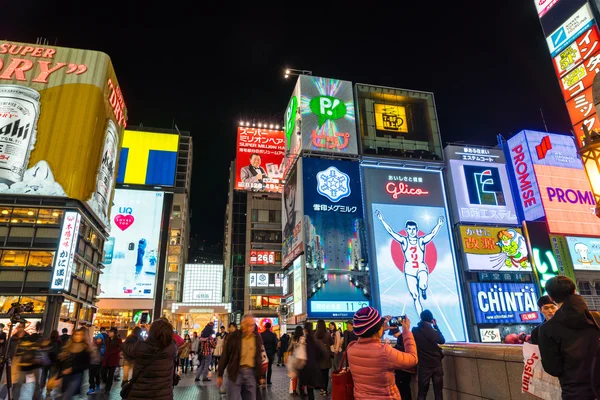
[71, 385]
[203, 368]
[244, 386]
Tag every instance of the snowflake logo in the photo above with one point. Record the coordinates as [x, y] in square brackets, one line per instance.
[333, 184]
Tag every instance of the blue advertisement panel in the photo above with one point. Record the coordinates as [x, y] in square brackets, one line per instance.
[585, 253]
[505, 303]
[411, 246]
[336, 280]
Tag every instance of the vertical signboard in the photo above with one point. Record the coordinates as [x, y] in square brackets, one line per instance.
[259, 159]
[61, 117]
[298, 286]
[63, 262]
[480, 188]
[292, 215]
[544, 261]
[336, 280]
[411, 246]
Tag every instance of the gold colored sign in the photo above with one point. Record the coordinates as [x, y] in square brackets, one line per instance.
[390, 118]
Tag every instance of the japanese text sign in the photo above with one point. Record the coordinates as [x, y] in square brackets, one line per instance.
[494, 249]
[63, 263]
[259, 159]
[505, 303]
[574, 26]
[580, 50]
[543, 258]
[390, 118]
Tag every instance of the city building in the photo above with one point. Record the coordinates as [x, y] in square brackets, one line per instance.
[55, 195]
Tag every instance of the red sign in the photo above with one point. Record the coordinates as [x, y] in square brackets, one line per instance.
[581, 106]
[581, 49]
[259, 159]
[262, 257]
[530, 316]
[590, 122]
[580, 78]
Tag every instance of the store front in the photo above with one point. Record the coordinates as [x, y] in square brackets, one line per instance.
[188, 318]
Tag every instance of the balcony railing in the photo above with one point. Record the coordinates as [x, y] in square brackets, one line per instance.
[593, 302]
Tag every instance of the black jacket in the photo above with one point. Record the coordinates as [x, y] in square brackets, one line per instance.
[349, 337]
[428, 340]
[269, 341]
[232, 351]
[316, 352]
[567, 344]
[153, 370]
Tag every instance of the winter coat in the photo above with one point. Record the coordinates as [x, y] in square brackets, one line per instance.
[566, 345]
[349, 337]
[153, 370]
[232, 351]
[112, 353]
[325, 363]
[130, 339]
[78, 362]
[315, 352]
[428, 340]
[373, 363]
[269, 341]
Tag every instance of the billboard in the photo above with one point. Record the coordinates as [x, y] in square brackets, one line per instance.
[494, 249]
[260, 257]
[390, 118]
[131, 252]
[543, 6]
[505, 303]
[580, 50]
[259, 159]
[411, 246]
[324, 117]
[61, 118]
[584, 252]
[480, 186]
[336, 281]
[63, 262]
[203, 283]
[569, 30]
[148, 158]
[298, 287]
[545, 263]
[291, 217]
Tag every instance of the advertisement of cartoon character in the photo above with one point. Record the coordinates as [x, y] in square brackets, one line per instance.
[585, 253]
[494, 249]
[411, 247]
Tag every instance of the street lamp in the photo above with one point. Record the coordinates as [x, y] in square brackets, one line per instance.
[291, 71]
[590, 155]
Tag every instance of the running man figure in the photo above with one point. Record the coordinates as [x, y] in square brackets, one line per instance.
[413, 247]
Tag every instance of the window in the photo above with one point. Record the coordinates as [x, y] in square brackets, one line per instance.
[274, 216]
[263, 215]
[94, 239]
[254, 215]
[88, 275]
[39, 303]
[49, 216]
[69, 309]
[175, 232]
[597, 287]
[81, 247]
[41, 259]
[20, 236]
[80, 270]
[46, 237]
[174, 250]
[74, 287]
[3, 234]
[173, 259]
[585, 288]
[89, 253]
[176, 211]
[173, 267]
[24, 216]
[5, 214]
[6, 303]
[14, 258]
[175, 241]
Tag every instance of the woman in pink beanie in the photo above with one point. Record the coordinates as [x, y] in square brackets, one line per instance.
[373, 363]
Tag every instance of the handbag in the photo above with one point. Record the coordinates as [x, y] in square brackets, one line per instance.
[342, 385]
[127, 385]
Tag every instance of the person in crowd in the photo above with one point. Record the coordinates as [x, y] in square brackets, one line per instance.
[32, 356]
[270, 342]
[184, 353]
[230, 329]
[111, 359]
[194, 349]
[403, 376]
[349, 335]
[154, 363]
[282, 346]
[242, 359]
[548, 309]
[74, 360]
[53, 346]
[96, 356]
[309, 376]
[428, 338]
[104, 333]
[220, 340]
[64, 338]
[336, 347]
[128, 363]
[292, 346]
[324, 337]
[207, 346]
[567, 340]
[18, 336]
[372, 362]
[3, 338]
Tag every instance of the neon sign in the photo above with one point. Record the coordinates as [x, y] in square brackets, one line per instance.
[396, 189]
[544, 271]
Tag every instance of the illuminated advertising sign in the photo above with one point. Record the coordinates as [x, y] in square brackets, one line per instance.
[584, 252]
[132, 250]
[61, 118]
[63, 262]
[390, 118]
[543, 6]
[494, 249]
[291, 128]
[580, 50]
[505, 303]
[259, 159]
[260, 322]
[298, 287]
[560, 248]
[411, 246]
[543, 258]
[260, 257]
[203, 283]
[262, 279]
[333, 222]
[480, 185]
[148, 158]
[292, 215]
[574, 26]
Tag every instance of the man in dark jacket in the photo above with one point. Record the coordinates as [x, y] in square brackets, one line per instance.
[548, 309]
[270, 342]
[284, 342]
[428, 338]
[349, 335]
[569, 340]
[64, 338]
[403, 378]
[242, 359]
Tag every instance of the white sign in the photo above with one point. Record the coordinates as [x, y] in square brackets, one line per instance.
[543, 6]
[262, 279]
[285, 285]
[63, 264]
[298, 287]
[201, 295]
[252, 279]
[570, 29]
[490, 335]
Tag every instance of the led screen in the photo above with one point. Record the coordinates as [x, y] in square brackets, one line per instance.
[259, 159]
[505, 303]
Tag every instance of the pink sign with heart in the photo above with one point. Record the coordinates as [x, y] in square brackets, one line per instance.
[123, 221]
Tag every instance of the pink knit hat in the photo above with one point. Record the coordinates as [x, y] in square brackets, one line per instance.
[365, 319]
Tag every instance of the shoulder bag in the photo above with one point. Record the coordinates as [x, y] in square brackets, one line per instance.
[342, 385]
[129, 384]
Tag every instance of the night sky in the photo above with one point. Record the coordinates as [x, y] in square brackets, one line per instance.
[206, 68]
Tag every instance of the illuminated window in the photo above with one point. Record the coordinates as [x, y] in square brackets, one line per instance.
[20, 236]
[173, 259]
[175, 241]
[41, 259]
[14, 258]
[174, 250]
[585, 289]
[173, 267]
[88, 275]
[5, 214]
[175, 232]
[39, 303]
[49, 216]
[5, 303]
[24, 216]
